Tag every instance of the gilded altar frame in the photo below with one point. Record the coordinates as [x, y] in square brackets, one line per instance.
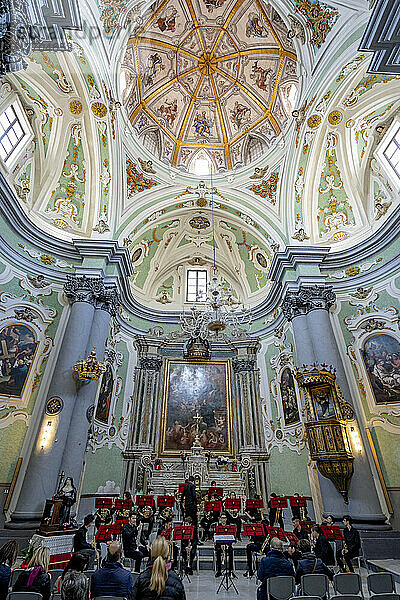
[172, 365]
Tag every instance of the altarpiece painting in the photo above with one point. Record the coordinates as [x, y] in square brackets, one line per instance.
[381, 354]
[201, 387]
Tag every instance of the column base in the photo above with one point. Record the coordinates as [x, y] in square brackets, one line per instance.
[22, 520]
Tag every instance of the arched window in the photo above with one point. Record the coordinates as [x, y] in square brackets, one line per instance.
[152, 140]
[255, 148]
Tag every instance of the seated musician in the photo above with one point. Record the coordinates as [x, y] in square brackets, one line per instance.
[145, 516]
[129, 542]
[226, 549]
[234, 518]
[124, 512]
[258, 543]
[165, 514]
[188, 550]
[209, 518]
[275, 514]
[205, 522]
[299, 511]
[101, 516]
[298, 530]
[167, 532]
[253, 515]
[213, 484]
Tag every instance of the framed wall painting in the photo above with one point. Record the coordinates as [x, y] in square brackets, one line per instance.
[105, 396]
[17, 350]
[192, 387]
[381, 356]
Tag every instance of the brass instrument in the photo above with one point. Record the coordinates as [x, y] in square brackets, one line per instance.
[166, 513]
[265, 544]
[178, 496]
[145, 511]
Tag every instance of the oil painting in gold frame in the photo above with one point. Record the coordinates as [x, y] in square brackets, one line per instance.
[201, 386]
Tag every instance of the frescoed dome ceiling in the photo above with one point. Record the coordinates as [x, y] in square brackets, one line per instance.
[210, 79]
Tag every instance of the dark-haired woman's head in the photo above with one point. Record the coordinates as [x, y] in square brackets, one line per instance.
[8, 553]
[77, 562]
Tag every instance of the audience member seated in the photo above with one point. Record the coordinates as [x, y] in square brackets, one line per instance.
[77, 562]
[74, 586]
[82, 545]
[293, 554]
[8, 556]
[129, 542]
[322, 548]
[298, 530]
[310, 564]
[224, 548]
[112, 579]
[351, 547]
[36, 577]
[273, 565]
[157, 580]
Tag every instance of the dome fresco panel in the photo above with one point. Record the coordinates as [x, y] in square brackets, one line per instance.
[209, 74]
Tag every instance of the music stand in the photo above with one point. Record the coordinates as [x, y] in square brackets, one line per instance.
[183, 532]
[233, 504]
[279, 502]
[226, 581]
[103, 503]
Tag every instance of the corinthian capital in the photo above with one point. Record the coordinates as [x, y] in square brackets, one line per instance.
[243, 364]
[109, 300]
[81, 288]
[306, 299]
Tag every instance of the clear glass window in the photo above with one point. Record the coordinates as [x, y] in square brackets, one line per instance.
[11, 132]
[392, 152]
[196, 289]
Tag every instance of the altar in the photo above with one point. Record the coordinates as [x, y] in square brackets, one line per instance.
[196, 416]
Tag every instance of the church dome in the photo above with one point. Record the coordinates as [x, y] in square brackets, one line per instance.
[209, 80]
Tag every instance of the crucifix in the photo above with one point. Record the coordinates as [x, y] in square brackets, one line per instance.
[197, 419]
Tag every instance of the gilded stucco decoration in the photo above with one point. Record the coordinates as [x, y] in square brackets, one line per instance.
[209, 81]
[282, 426]
[135, 180]
[320, 18]
[268, 187]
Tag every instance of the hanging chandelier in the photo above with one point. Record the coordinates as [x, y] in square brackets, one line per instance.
[219, 309]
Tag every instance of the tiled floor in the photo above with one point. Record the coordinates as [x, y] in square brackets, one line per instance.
[205, 585]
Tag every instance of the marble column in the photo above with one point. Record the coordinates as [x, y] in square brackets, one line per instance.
[308, 310]
[74, 451]
[249, 435]
[43, 469]
[144, 429]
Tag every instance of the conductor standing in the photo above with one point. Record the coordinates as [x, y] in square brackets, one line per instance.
[189, 502]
